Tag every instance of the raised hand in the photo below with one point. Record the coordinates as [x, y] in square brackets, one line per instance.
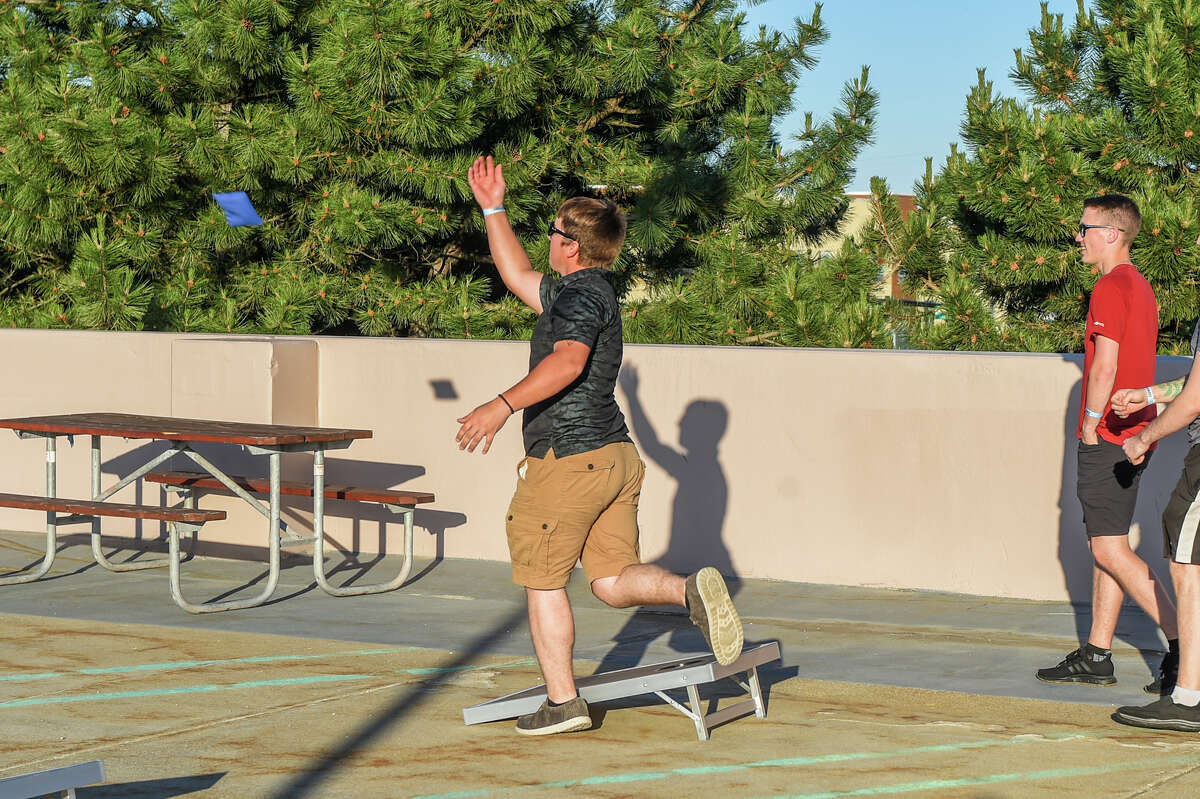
[486, 179]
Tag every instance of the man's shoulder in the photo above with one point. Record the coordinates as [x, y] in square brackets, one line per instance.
[1125, 280]
[1126, 274]
[589, 287]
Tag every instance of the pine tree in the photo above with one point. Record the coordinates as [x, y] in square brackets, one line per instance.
[351, 125]
[1112, 104]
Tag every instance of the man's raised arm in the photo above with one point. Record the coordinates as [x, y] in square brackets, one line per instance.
[487, 183]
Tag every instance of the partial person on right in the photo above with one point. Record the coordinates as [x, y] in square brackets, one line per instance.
[1179, 708]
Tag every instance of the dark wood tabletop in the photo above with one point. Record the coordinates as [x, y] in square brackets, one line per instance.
[128, 425]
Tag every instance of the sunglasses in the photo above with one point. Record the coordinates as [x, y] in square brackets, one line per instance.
[1083, 229]
[556, 229]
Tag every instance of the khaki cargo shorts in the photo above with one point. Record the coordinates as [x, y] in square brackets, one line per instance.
[578, 508]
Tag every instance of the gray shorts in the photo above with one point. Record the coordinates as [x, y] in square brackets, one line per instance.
[1182, 515]
[1107, 488]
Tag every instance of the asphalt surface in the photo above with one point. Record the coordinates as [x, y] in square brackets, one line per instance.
[878, 692]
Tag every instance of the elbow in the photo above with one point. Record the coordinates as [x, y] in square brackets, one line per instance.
[573, 372]
[1191, 406]
[1104, 373]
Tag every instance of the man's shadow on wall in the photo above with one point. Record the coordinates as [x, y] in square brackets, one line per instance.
[1133, 626]
[697, 519]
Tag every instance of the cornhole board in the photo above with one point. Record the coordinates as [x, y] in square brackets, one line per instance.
[62, 780]
[654, 678]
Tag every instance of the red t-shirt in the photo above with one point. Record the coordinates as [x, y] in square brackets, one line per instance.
[1123, 309]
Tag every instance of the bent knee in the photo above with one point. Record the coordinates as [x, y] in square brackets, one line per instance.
[1111, 550]
[604, 589]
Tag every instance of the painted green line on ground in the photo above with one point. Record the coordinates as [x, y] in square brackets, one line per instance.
[187, 689]
[191, 664]
[196, 689]
[258, 659]
[450, 669]
[991, 779]
[43, 675]
[788, 762]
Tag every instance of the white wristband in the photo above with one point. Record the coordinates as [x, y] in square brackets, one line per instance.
[1149, 396]
[499, 209]
[1092, 414]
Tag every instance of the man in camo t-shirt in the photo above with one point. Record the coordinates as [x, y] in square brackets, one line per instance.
[578, 486]
[1179, 707]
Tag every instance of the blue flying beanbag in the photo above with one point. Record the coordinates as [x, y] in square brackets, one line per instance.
[237, 208]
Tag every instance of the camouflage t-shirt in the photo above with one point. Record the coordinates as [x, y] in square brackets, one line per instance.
[581, 306]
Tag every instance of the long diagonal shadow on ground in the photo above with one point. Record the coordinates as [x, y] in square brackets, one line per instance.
[307, 782]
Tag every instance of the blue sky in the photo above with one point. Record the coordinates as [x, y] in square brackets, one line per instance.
[923, 56]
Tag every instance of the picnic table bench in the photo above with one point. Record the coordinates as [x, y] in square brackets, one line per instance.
[180, 435]
[402, 502]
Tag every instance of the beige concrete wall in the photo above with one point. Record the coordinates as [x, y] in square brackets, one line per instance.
[945, 471]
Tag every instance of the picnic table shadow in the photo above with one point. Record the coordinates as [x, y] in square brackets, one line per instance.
[236, 461]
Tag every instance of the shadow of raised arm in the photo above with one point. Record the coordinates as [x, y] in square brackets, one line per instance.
[665, 456]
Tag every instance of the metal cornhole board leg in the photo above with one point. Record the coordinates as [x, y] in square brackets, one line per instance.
[654, 678]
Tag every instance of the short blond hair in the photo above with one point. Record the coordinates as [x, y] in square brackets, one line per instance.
[598, 226]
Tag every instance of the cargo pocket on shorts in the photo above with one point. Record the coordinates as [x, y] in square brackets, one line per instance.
[586, 476]
[529, 534]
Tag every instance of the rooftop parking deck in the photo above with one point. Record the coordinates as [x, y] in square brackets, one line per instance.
[880, 692]
[848, 489]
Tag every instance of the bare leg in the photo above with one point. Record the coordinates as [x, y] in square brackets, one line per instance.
[1187, 592]
[1107, 598]
[640, 584]
[552, 627]
[1118, 567]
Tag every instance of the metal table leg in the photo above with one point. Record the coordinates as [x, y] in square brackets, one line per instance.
[273, 558]
[97, 494]
[51, 520]
[407, 512]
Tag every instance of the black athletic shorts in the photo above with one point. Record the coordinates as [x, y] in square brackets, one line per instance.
[1107, 488]
[1182, 516]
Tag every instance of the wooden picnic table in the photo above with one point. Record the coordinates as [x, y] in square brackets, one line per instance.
[269, 439]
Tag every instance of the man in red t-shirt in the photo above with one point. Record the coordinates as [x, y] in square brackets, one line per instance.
[1119, 352]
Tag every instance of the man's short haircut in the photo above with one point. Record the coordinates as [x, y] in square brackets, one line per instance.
[598, 226]
[1118, 210]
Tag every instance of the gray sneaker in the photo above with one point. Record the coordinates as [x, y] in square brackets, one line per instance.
[548, 720]
[713, 612]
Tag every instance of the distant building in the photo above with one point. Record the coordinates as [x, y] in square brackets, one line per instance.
[861, 214]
